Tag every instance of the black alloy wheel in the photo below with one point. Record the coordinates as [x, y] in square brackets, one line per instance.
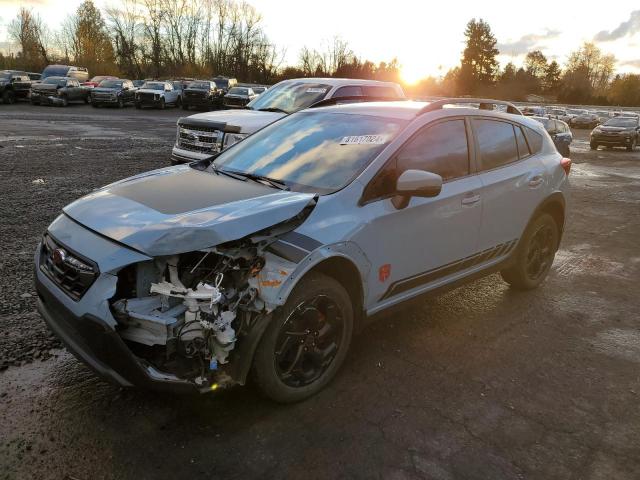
[540, 252]
[308, 341]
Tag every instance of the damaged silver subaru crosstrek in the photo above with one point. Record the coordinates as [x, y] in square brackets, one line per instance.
[264, 260]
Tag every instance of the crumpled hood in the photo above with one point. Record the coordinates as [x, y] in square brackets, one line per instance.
[181, 209]
[247, 120]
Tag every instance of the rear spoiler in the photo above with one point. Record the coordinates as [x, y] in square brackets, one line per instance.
[354, 99]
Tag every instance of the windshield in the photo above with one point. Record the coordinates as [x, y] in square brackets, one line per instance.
[111, 83]
[205, 85]
[259, 90]
[222, 82]
[621, 122]
[153, 86]
[290, 96]
[312, 151]
[55, 81]
[55, 71]
[239, 91]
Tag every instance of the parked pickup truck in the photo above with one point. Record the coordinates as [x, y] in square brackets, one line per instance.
[58, 91]
[202, 94]
[204, 134]
[115, 92]
[159, 95]
[14, 84]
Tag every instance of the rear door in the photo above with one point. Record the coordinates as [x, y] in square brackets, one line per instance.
[513, 181]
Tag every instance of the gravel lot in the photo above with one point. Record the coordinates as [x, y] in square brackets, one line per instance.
[481, 382]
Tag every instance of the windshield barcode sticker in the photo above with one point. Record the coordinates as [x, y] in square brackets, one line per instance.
[363, 140]
[316, 90]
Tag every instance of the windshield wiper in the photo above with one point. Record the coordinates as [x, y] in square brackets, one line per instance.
[273, 109]
[260, 179]
[219, 171]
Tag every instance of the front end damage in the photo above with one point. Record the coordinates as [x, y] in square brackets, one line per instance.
[198, 316]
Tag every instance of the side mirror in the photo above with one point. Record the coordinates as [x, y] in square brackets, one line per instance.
[418, 183]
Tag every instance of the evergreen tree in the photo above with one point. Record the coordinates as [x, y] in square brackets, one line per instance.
[479, 63]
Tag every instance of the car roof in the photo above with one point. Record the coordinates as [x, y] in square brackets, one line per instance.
[338, 82]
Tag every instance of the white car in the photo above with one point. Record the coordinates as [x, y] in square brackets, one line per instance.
[204, 134]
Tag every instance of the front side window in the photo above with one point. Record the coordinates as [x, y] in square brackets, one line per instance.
[441, 148]
[497, 143]
[312, 151]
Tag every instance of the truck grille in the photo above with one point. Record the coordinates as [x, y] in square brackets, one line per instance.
[146, 96]
[72, 273]
[103, 96]
[200, 139]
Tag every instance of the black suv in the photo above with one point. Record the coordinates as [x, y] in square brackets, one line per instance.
[14, 84]
[202, 94]
[617, 132]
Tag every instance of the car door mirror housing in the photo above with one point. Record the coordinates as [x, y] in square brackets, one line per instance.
[418, 183]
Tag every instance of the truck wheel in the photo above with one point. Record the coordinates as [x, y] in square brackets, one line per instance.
[593, 145]
[306, 341]
[178, 102]
[632, 147]
[95, 105]
[535, 254]
[120, 103]
[8, 97]
[162, 104]
[138, 106]
[185, 106]
[34, 102]
[65, 101]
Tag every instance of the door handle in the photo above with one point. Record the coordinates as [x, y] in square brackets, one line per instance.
[470, 200]
[535, 181]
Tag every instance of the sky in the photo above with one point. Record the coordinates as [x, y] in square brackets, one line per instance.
[426, 38]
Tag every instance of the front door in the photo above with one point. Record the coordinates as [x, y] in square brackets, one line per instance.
[414, 246]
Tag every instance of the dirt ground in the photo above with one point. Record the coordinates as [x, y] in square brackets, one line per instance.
[480, 383]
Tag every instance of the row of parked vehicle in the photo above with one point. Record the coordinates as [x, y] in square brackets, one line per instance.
[62, 84]
[609, 128]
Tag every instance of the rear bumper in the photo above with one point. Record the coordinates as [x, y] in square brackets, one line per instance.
[95, 342]
[612, 141]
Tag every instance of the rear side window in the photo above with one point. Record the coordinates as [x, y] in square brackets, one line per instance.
[349, 91]
[523, 148]
[497, 143]
[441, 148]
[380, 92]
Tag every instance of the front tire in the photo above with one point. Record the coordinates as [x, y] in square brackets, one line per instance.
[306, 341]
[593, 145]
[65, 101]
[162, 104]
[535, 254]
[632, 147]
[8, 97]
[137, 105]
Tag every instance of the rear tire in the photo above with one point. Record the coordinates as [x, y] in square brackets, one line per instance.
[306, 342]
[534, 255]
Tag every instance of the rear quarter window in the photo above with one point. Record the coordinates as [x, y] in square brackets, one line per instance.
[534, 139]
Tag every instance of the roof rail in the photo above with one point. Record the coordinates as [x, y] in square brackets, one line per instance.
[484, 104]
[354, 99]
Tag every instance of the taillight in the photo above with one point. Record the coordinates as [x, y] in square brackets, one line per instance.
[566, 165]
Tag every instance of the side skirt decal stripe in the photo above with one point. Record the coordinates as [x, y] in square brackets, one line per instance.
[429, 276]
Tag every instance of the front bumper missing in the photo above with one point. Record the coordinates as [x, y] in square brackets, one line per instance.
[100, 347]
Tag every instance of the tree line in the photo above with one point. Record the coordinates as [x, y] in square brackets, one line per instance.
[202, 38]
[588, 76]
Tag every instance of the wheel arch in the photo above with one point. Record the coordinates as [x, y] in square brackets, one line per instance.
[554, 205]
